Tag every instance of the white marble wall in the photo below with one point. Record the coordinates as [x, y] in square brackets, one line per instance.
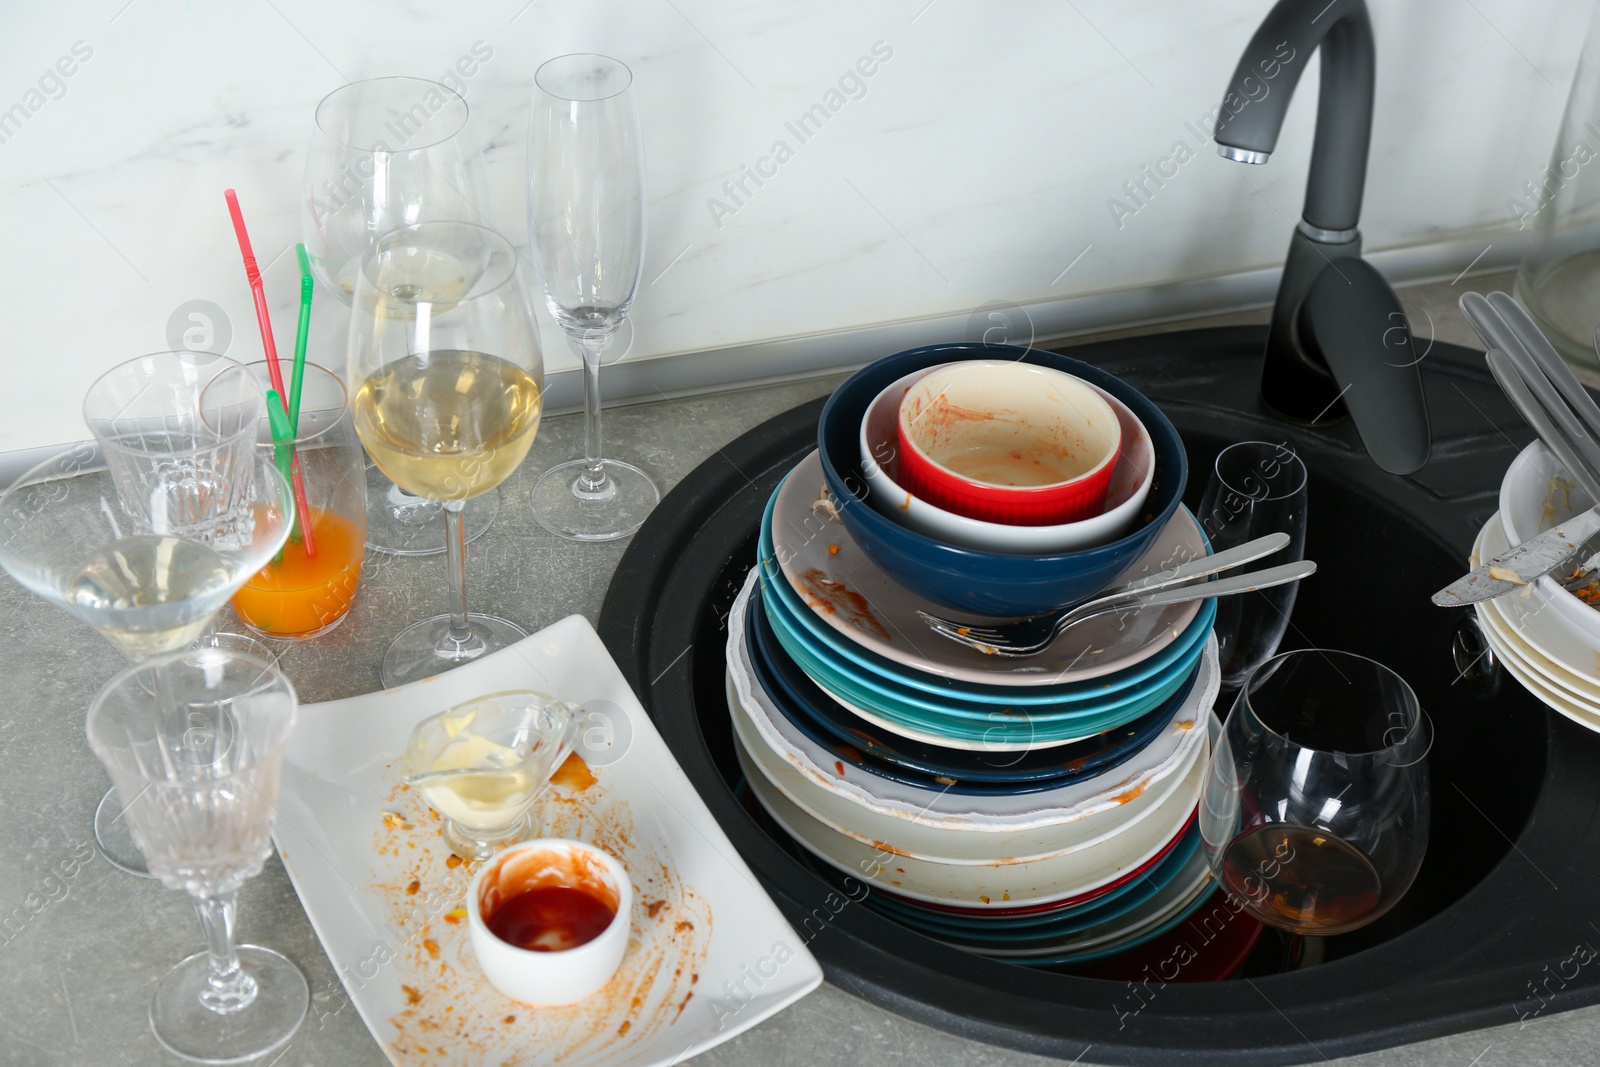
[974, 164]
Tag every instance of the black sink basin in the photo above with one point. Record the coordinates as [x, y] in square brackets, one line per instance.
[1494, 928]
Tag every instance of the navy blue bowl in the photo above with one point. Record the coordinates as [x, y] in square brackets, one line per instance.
[965, 579]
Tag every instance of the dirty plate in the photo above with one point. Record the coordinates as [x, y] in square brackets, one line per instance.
[1075, 800]
[1037, 883]
[850, 594]
[938, 843]
[385, 896]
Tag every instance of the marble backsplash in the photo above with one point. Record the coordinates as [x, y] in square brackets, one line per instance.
[827, 180]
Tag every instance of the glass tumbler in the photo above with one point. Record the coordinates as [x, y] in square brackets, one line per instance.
[307, 589]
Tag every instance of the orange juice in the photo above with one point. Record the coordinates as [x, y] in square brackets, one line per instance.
[301, 595]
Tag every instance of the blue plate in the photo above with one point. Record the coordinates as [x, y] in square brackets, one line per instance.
[848, 737]
[969, 580]
[789, 605]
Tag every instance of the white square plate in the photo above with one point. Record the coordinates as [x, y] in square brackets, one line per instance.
[710, 954]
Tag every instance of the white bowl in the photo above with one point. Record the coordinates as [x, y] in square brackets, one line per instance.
[1536, 494]
[1130, 485]
[546, 979]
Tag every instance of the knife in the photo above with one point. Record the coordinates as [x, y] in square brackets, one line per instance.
[1568, 544]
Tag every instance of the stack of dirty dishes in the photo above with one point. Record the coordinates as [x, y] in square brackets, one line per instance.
[1039, 810]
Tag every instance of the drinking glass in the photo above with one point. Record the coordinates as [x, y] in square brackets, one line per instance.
[307, 589]
[1256, 488]
[389, 152]
[586, 222]
[194, 741]
[66, 536]
[1315, 811]
[451, 387]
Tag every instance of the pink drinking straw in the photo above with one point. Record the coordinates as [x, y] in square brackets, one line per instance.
[274, 372]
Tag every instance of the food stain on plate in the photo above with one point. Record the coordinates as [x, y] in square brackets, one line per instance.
[827, 596]
[451, 1014]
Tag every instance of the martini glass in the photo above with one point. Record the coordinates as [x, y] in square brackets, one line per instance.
[66, 537]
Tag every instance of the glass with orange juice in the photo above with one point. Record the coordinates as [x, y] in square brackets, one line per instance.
[308, 588]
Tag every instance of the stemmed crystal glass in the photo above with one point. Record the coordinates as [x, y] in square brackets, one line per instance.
[194, 743]
[449, 380]
[146, 533]
[586, 205]
[390, 152]
[1315, 812]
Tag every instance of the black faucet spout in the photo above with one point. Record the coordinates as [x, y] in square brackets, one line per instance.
[1319, 365]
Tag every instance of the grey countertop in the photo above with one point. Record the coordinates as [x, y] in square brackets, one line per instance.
[77, 971]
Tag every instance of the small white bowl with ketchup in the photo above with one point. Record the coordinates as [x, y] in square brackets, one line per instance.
[549, 920]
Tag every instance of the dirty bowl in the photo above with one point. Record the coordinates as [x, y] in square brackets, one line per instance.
[545, 978]
[993, 584]
[1008, 442]
[1130, 485]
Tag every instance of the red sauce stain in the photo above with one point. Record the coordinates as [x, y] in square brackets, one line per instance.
[411, 890]
[622, 1031]
[431, 947]
[906, 506]
[653, 908]
[839, 767]
[551, 918]
[452, 861]
[850, 754]
[833, 550]
[412, 996]
[574, 774]
[884, 846]
[834, 598]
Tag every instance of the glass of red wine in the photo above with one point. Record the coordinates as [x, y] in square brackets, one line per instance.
[1315, 812]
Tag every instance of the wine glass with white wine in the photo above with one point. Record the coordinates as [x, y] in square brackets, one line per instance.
[449, 379]
[388, 152]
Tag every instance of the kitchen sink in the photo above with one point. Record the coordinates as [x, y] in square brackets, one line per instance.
[1495, 928]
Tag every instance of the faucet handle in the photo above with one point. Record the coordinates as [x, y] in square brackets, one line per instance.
[1353, 321]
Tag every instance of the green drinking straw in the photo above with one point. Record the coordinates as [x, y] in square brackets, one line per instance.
[302, 334]
[283, 445]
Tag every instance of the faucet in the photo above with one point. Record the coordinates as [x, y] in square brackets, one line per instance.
[1339, 342]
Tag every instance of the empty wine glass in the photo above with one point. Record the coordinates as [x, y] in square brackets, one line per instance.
[1255, 488]
[1315, 811]
[449, 382]
[66, 537]
[389, 152]
[194, 743]
[586, 222]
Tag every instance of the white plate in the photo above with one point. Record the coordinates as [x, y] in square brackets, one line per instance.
[931, 842]
[1536, 494]
[1545, 636]
[409, 968]
[813, 546]
[1025, 811]
[1011, 886]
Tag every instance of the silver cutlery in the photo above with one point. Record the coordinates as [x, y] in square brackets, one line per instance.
[1563, 546]
[1032, 636]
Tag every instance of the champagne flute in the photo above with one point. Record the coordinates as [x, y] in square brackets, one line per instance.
[1315, 812]
[194, 741]
[586, 223]
[449, 383]
[389, 152]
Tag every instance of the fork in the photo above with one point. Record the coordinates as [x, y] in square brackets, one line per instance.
[1200, 567]
[1032, 636]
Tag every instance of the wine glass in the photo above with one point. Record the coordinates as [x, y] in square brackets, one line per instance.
[66, 537]
[1315, 811]
[388, 152]
[444, 358]
[586, 222]
[1255, 488]
[194, 741]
